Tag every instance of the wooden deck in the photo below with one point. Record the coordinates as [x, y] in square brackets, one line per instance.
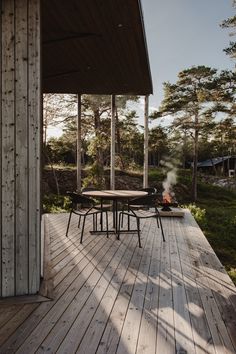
[112, 297]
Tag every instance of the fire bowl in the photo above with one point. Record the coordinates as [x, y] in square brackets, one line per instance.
[167, 206]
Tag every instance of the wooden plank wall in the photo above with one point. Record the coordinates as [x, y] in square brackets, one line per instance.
[20, 132]
[0, 143]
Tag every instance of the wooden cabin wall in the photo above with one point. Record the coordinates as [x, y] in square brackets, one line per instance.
[20, 107]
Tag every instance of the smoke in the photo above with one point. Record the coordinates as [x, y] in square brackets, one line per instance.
[170, 167]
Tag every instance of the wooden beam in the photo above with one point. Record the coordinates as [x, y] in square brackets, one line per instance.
[145, 163]
[79, 144]
[113, 142]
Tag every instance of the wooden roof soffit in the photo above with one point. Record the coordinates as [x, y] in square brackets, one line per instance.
[94, 47]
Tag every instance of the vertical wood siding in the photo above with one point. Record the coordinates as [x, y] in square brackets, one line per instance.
[20, 147]
[34, 145]
[0, 147]
[8, 149]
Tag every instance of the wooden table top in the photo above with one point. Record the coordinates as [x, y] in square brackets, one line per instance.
[115, 194]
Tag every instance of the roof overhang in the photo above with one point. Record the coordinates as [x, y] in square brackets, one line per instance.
[94, 47]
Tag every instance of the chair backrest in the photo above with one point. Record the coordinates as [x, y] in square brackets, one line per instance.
[147, 201]
[87, 189]
[77, 198]
[149, 190]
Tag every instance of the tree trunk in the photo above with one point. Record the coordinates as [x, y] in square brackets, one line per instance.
[113, 142]
[145, 164]
[195, 160]
[99, 154]
[79, 144]
[184, 149]
[119, 153]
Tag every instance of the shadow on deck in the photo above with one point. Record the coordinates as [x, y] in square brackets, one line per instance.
[110, 296]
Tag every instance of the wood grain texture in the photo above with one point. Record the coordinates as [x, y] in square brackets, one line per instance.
[1, 148]
[8, 149]
[21, 163]
[34, 131]
[20, 131]
[111, 296]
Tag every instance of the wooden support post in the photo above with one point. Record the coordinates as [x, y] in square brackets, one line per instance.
[20, 147]
[145, 164]
[79, 145]
[113, 142]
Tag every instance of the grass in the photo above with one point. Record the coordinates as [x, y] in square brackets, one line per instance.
[61, 166]
[53, 203]
[220, 225]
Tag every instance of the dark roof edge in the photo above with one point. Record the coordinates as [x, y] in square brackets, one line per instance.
[145, 42]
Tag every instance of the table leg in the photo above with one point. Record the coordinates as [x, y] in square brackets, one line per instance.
[115, 212]
[101, 216]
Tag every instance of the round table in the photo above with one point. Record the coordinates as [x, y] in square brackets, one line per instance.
[115, 196]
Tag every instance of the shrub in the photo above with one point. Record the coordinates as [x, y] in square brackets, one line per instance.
[198, 213]
[53, 203]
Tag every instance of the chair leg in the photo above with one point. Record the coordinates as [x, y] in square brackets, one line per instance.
[68, 225]
[107, 223]
[79, 222]
[101, 220]
[122, 220]
[93, 221]
[162, 232]
[157, 212]
[119, 224]
[96, 222]
[139, 237]
[82, 231]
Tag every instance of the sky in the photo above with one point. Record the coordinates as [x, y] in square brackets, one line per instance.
[183, 33]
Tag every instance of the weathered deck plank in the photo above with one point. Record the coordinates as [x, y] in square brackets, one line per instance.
[130, 330]
[165, 330]
[148, 328]
[111, 336]
[201, 333]
[113, 297]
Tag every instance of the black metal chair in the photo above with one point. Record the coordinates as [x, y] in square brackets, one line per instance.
[83, 207]
[142, 208]
[103, 207]
[149, 190]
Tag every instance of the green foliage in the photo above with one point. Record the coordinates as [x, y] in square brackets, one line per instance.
[198, 213]
[219, 225]
[52, 203]
[230, 23]
[95, 177]
[60, 150]
[129, 140]
[156, 174]
[101, 141]
[188, 102]
[232, 274]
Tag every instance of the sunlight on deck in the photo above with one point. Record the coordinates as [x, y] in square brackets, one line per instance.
[111, 296]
